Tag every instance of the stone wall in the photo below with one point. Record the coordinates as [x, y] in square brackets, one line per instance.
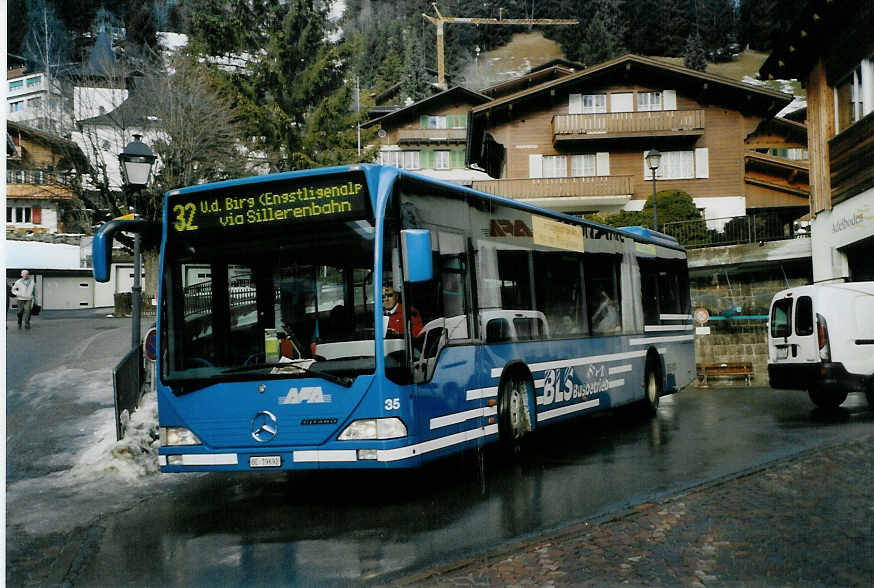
[738, 303]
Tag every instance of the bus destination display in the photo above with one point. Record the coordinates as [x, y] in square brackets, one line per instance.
[269, 204]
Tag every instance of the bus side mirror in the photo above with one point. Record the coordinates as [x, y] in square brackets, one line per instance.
[416, 248]
[101, 246]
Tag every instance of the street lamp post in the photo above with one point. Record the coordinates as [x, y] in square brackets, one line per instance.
[653, 159]
[136, 168]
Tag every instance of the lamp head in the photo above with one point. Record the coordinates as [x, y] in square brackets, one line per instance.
[136, 163]
[653, 159]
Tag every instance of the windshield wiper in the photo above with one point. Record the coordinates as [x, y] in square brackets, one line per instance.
[297, 367]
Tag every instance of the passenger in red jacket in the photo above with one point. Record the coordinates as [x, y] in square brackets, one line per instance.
[392, 309]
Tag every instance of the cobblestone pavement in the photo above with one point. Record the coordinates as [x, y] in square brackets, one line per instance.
[805, 521]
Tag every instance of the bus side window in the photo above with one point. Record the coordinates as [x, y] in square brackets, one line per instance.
[604, 300]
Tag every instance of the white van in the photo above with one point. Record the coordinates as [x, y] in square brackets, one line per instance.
[821, 338]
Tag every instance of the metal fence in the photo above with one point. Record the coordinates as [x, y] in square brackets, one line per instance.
[733, 230]
[127, 384]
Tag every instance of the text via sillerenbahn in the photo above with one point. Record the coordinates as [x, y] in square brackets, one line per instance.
[268, 207]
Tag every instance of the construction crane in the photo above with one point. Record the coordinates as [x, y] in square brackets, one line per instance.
[440, 20]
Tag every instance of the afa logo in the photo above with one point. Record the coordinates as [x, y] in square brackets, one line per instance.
[307, 394]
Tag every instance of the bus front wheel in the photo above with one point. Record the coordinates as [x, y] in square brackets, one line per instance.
[513, 419]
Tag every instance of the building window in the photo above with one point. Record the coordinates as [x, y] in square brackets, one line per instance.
[441, 159]
[675, 165]
[32, 82]
[15, 85]
[587, 103]
[400, 159]
[16, 106]
[436, 122]
[18, 214]
[850, 93]
[649, 101]
[790, 153]
[34, 103]
[554, 166]
[583, 165]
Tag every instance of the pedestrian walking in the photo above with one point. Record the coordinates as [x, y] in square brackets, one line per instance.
[24, 291]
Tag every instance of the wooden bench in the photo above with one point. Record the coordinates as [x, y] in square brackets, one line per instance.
[728, 369]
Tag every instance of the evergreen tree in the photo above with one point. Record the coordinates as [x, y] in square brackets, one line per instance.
[142, 35]
[603, 35]
[415, 79]
[694, 56]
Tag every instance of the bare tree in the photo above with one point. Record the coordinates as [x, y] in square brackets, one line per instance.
[191, 127]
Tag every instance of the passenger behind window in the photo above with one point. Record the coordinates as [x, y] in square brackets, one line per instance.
[606, 317]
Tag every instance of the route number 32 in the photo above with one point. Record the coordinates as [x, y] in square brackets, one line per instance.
[392, 403]
[184, 217]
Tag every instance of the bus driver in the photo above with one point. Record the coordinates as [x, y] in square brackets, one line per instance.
[392, 309]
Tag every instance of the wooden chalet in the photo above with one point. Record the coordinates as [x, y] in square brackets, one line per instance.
[577, 142]
[830, 48]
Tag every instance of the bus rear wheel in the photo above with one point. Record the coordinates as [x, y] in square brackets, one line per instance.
[827, 400]
[513, 421]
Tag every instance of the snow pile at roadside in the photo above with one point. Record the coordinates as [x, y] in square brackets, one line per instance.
[136, 454]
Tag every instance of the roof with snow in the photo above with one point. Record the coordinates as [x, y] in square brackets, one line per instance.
[34, 255]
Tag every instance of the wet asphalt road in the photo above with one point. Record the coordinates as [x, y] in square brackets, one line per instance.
[341, 528]
[315, 528]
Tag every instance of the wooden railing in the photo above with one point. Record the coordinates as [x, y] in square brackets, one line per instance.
[567, 126]
[431, 135]
[851, 160]
[556, 187]
[36, 177]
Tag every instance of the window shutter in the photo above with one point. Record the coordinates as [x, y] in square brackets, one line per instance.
[622, 102]
[426, 159]
[37, 215]
[669, 100]
[602, 164]
[575, 104]
[423, 121]
[702, 165]
[456, 159]
[462, 121]
[535, 166]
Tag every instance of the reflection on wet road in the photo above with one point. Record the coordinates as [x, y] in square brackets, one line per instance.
[337, 527]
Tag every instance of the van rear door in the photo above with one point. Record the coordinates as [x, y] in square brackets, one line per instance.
[803, 343]
[793, 330]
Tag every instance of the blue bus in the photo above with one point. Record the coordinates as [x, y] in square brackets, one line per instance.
[367, 317]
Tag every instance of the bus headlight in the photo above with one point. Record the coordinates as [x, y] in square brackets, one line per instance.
[172, 436]
[368, 429]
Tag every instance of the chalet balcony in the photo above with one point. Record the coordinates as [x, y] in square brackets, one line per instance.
[432, 135]
[37, 183]
[615, 125]
[562, 193]
[851, 160]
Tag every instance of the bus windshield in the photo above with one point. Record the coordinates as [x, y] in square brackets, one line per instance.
[285, 304]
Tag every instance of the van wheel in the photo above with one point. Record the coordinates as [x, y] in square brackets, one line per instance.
[827, 400]
[869, 394]
[513, 420]
[652, 388]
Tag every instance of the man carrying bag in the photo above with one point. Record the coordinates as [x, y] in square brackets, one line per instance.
[24, 290]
